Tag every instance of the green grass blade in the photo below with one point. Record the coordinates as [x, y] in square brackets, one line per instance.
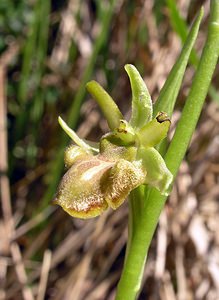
[180, 27]
[197, 95]
[28, 54]
[41, 52]
[34, 51]
[170, 90]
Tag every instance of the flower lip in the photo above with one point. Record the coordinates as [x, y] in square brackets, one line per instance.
[79, 192]
[96, 182]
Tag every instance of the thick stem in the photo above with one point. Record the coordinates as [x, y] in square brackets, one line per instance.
[129, 285]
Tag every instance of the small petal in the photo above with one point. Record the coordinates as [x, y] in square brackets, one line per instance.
[78, 141]
[154, 131]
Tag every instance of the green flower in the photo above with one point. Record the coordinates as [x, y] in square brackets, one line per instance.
[103, 176]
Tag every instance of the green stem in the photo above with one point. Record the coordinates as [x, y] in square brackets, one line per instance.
[130, 282]
[144, 213]
[143, 218]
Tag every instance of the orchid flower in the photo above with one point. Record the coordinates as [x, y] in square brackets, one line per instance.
[125, 158]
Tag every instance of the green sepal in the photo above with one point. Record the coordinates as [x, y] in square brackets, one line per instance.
[107, 105]
[141, 99]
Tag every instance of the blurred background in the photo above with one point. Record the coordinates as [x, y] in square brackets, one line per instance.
[48, 51]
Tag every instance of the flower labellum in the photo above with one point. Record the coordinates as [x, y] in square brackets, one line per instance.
[103, 176]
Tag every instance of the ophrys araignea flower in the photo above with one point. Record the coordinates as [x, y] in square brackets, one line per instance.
[125, 158]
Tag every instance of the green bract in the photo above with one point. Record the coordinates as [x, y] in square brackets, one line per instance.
[102, 177]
